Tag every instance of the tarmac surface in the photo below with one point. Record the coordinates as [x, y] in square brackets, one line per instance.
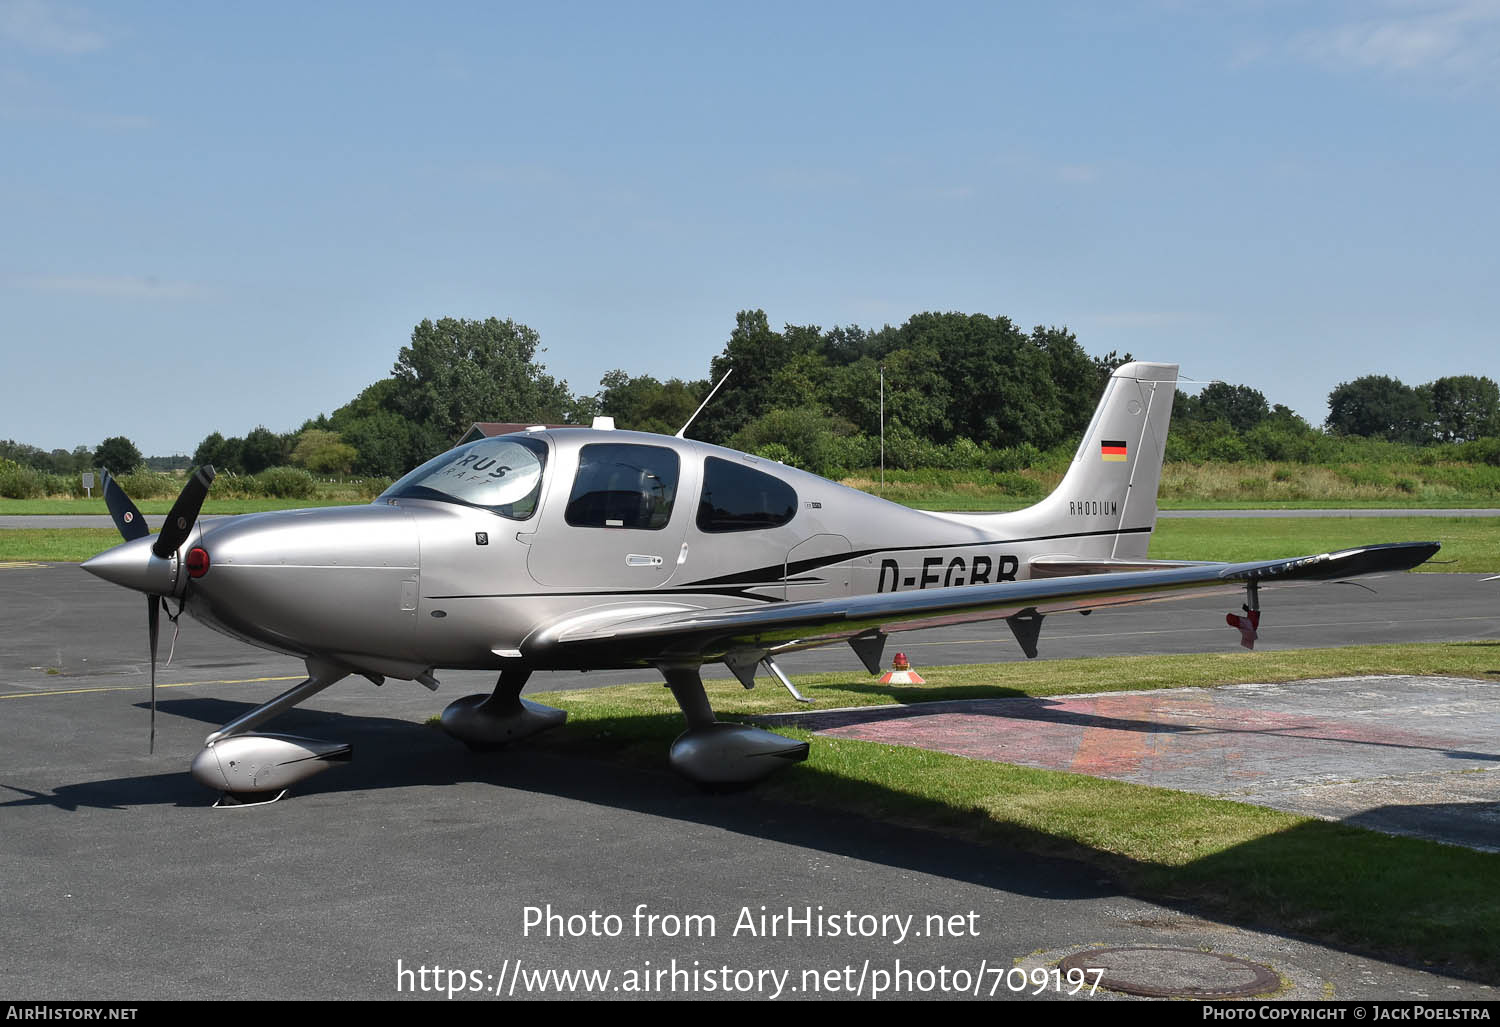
[121, 882]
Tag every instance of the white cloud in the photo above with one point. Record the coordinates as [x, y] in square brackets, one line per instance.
[48, 27]
[1455, 38]
[107, 286]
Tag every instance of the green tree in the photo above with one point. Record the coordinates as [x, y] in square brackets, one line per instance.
[755, 352]
[918, 392]
[262, 448]
[118, 455]
[645, 404]
[1464, 407]
[999, 387]
[853, 393]
[323, 452]
[801, 437]
[1106, 366]
[1078, 377]
[456, 372]
[1380, 407]
[1240, 406]
[224, 454]
[386, 443]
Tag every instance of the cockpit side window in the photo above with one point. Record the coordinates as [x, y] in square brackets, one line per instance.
[502, 475]
[620, 485]
[740, 498]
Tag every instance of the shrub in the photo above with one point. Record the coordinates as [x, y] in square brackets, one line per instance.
[1229, 448]
[1019, 485]
[286, 483]
[145, 484]
[777, 452]
[17, 482]
[229, 485]
[1014, 458]
[1481, 451]
[369, 488]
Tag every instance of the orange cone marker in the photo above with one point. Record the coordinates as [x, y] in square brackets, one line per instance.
[901, 673]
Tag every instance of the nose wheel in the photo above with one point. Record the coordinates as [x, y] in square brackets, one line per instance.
[253, 769]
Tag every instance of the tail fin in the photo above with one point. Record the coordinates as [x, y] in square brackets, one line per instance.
[1113, 480]
[1103, 512]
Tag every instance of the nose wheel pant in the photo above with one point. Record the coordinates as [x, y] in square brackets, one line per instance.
[247, 767]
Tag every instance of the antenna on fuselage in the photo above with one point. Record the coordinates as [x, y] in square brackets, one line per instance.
[710, 396]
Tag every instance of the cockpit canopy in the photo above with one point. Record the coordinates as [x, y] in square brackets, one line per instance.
[502, 475]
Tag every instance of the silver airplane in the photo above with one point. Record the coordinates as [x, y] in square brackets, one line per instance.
[578, 549]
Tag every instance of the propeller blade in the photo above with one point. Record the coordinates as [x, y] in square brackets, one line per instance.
[127, 518]
[153, 621]
[184, 512]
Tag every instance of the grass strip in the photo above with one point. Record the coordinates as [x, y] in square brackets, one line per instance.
[81, 507]
[1470, 544]
[68, 545]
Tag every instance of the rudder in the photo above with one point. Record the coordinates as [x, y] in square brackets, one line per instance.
[1115, 474]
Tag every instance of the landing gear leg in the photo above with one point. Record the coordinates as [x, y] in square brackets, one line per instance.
[487, 722]
[253, 768]
[713, 753]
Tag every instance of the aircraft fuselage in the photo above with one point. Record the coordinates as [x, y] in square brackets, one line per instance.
[408, 584]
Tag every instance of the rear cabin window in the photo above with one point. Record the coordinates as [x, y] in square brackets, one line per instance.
[623, 486]
[739, 498]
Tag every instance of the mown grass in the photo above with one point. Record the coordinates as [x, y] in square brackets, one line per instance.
[68, 507]
[65, 545]
[1397, 897]
[1470, 544]
[1209, 485]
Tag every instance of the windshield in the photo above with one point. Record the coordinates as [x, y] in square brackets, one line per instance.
[502, 475]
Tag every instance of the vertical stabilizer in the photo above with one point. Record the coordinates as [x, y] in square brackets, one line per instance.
[1114, 476]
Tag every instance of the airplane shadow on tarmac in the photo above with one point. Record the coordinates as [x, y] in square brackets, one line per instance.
[394, 753]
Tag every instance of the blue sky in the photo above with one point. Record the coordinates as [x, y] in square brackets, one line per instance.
[216, 216]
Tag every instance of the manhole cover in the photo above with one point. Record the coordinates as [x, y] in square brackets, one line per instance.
[1175, 973]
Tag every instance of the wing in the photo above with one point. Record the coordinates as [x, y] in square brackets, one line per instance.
[661, 634]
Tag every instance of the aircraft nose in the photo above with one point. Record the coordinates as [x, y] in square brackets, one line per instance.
[133, 565]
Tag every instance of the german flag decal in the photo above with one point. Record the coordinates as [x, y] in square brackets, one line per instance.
[1112, 452]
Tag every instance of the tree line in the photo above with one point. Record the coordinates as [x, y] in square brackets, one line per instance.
[963, 391]
[804, 394]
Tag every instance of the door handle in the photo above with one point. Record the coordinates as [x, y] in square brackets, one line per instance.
[639, 560]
